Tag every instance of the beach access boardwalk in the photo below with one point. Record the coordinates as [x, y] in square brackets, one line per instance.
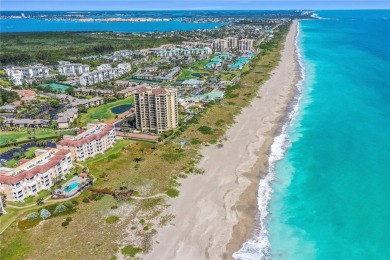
[137, 136]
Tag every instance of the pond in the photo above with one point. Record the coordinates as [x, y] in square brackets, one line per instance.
[120, 109]
[198, 75]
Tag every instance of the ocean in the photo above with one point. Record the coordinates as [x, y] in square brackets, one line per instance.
[327, 193]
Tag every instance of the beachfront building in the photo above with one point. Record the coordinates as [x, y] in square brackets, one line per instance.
[220, 45]
[71, 69]
[95, 140]
[104, 73]
[232, 42]
[35, 175]
[245, 45]
[156, 109]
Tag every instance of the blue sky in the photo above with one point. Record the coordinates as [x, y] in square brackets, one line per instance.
[190, 4]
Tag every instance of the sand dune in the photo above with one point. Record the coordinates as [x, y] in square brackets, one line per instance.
[215, 212]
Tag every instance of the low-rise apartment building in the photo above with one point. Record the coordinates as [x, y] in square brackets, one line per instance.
[71, 69]
[66, 118]
[95, 140]
[35, 175]
[104, 73]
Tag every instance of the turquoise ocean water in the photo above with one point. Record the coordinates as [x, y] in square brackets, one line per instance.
[327, 195]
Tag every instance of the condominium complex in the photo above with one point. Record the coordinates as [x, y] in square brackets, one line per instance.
[220, 45]
[103, 73]
[232, 42]
[156, 109]
[245, 45]
[184, 51]
[71, 69]
[95, 140]
[17, 75]
[35, 175]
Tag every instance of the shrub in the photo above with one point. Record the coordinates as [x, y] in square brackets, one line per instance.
[131, 250]
[206, 130]
[68, 219]
[142, 221]
[219, 122]
[172, 192]
[112, 219]
[195, 141]
[32, 216]
[65, 223]
[146, 228]
[68, 204]
[114, 207]
[113, 156]
[133, 228]
[60, 208]
[45, 214]
[86, 200]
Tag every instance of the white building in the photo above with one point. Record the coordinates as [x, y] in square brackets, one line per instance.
[232, 42]
[72, 69]
[220, 45]
[104, 73]
[245, 45]
[35, 175]
[95, 140]
[18, 74]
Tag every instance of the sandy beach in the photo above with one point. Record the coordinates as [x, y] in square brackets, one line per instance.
[215, 212]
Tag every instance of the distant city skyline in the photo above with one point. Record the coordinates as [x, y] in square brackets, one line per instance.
[101, 5]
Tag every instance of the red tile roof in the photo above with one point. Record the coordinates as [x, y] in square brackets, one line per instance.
[56, 159]
[75, 143]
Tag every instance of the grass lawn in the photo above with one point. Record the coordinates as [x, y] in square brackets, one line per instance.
[31, 200]
[22, 135]
[29, 154]
[102, 112]
[140, 166]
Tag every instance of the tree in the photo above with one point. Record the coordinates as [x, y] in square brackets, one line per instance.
[70, 91]
[54, 103]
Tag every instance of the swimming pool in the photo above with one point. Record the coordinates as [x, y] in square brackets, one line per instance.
[71, 186]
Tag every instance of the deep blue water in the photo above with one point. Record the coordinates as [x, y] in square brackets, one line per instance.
[39, 25]
[330, 194]
[121, 109]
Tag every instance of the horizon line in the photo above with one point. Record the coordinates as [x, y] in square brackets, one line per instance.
[141, 10]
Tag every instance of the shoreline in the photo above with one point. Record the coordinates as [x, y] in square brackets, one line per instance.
[216, 211]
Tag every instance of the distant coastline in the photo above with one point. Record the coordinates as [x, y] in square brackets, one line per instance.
[214, 222]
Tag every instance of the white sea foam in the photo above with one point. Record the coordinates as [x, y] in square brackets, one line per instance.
[258, 247]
